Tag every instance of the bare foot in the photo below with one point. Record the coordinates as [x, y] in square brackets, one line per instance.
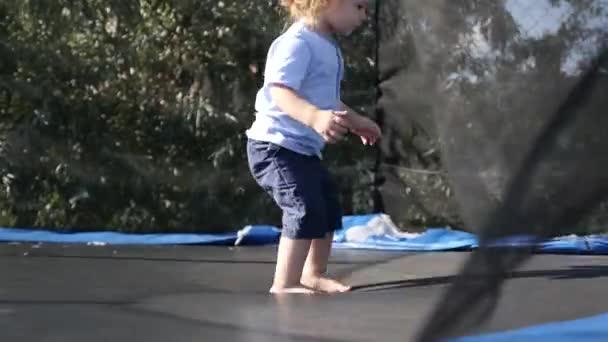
[292, 290]
[324, 284]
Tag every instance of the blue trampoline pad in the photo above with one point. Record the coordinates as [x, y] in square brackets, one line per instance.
[591, 329]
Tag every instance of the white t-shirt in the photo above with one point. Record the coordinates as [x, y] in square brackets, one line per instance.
[312, 65]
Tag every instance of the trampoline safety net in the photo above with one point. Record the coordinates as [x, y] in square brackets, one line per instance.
[510, 97]
[131, 115]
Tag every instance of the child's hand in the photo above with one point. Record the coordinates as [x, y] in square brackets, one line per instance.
[331, 125]
[366, 129]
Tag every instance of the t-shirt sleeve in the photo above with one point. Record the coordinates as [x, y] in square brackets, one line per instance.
[288, 62]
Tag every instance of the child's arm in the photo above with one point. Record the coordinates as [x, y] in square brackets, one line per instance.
[347, 109]
[330, 124]
[294, 105]
[367, 129]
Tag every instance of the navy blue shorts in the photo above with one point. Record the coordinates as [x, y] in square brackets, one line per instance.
[300, 185]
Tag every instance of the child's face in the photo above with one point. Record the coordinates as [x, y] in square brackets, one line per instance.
[346, 15]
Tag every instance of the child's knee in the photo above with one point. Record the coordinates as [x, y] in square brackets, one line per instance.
[305, 221]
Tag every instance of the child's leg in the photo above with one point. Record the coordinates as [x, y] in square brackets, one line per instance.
[295, 183]
[315, 269]
[318, 256]
[290, 261]
[314, 273]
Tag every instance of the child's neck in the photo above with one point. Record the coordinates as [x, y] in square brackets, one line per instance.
[320, 26]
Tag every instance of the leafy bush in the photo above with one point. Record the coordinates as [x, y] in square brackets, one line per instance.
[130, 115]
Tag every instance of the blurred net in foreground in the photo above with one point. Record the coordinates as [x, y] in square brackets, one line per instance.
[512, 96]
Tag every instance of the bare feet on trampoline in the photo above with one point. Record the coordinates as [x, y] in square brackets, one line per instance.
[324, 284]
[291, 290]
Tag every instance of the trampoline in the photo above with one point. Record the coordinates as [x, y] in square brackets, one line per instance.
[124, 288]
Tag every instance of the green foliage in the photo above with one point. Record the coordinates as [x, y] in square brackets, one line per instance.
[130, 114]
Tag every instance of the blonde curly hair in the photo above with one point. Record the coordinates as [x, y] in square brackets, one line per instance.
[305, 9]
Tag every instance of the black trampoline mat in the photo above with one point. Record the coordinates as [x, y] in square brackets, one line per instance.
[196, 293]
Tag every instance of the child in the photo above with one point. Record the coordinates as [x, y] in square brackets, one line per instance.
[298, 111]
